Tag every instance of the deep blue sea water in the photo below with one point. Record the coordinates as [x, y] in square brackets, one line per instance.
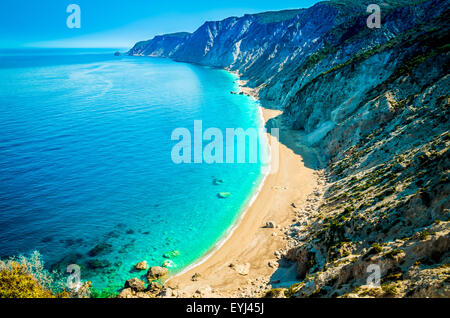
[85, 161]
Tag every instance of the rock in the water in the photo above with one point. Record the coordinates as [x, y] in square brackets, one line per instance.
[142, 266]
[117, 53]
[156, 272]
[135, 284]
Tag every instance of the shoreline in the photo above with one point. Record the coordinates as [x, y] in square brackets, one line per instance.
[250, 251]
[265, 173]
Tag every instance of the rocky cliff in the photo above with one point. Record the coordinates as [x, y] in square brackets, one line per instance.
[376, 104]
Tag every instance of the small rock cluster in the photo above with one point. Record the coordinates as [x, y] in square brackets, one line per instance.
[135, 288]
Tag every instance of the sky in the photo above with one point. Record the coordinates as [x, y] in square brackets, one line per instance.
[117, 23]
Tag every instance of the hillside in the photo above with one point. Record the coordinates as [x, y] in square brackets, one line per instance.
[375, 105]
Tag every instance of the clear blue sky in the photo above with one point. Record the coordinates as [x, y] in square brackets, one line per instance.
[117, 23]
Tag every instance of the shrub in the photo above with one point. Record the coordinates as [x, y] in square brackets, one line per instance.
[23, 277]
[16, 282]
[393, 253]
[377, 248]
[291, 291]
[389, 289]
[346, 253]
[275, 293]
[424, 235]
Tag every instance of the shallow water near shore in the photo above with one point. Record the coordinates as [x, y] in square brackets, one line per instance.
[86, 175]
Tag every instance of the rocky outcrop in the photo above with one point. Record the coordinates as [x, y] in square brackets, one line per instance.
[156, 272]
[135, 284]
[135, 288]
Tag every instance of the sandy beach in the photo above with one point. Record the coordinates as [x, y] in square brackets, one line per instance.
[249, 254]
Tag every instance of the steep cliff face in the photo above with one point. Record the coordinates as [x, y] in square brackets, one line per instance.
[162, 45]
[376, 104]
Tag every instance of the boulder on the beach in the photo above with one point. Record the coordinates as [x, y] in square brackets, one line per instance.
[135, 284]
[126, 293]
[166, 293]
[195, 277]
[156, 272]
[171, 254]
[154, 288]
[241, 269]
[142, 266]
[203, 292]
[269, 225]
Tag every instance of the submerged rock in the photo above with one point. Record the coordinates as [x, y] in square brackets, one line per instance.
[101, 248]
[97, 264]
[171, 254]
[47, 239]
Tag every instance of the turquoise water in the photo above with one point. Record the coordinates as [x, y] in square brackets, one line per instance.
[85, 161]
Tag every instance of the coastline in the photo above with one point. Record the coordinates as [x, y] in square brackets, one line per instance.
[249, 254]
[265, 173]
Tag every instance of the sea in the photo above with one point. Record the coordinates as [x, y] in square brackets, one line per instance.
[86, 169]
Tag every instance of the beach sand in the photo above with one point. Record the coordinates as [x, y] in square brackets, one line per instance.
[244, 257]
